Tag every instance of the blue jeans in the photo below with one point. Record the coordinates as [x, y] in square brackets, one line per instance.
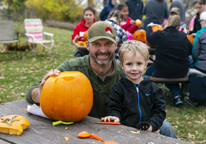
[174, 88]
[167, 130]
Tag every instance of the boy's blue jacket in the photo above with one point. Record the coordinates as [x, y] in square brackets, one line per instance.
[106, 10]
[132, 108]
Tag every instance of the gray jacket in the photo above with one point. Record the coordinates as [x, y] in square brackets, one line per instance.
[199, 50]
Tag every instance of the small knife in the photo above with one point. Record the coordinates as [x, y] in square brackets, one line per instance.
[106, 123]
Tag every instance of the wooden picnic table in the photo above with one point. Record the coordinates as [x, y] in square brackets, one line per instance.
[41, 130]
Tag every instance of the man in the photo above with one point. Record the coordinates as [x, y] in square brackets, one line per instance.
[180, 5]
[135, 9]
[99, 67]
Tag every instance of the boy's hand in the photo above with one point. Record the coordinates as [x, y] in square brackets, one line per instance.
[149, 129]
[157, 132]
[76, 38]
[110, 119]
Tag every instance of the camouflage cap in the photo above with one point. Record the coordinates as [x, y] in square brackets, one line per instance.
[101, 30]
[175, 10]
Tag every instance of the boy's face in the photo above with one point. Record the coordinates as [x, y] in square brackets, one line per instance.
[125, 12]
[89, 16]
[133, 66]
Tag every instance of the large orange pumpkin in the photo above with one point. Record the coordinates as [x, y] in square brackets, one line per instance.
[85, 36]
[191, 39]
[154, 29]
[140, 35]
[67, 97]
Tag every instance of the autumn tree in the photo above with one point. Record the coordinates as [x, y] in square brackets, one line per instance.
[61, 10]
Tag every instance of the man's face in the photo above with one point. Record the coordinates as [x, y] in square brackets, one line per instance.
[101, 51]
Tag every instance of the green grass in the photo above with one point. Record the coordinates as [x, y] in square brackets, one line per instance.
[188, 122]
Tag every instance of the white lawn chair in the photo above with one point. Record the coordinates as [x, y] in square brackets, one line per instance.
[7, 35]
[35, 34]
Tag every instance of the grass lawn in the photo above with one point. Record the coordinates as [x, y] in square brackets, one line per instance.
[188, 122]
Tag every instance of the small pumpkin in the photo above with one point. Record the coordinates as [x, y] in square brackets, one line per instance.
[67, 97]
[138, 22]
[140, 35]
[81, 43]
[190, 38]
[85, 36]
[154, 29]
[13, 124]
[157, 27]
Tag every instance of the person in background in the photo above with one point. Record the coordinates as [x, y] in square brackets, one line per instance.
[155, 11]
[180, 5]
[199, 46]
[115, 17]
[175, 11]
[135, 99]
[83, 26]
[172, 51]
[99, 67]
[127, 23]
[107, 9]
[200, 7]
[135, 9]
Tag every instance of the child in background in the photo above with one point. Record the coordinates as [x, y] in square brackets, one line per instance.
[115, 17]
[135, 98]
[127, 23]
[83, 26]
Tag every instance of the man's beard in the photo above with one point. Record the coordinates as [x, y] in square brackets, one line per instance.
[100, 62]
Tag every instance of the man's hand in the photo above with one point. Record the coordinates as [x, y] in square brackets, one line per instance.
[152, 24]
[110, 119]
[36, 93]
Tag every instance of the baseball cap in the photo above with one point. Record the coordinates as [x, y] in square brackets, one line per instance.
[175, 10]
[101, 30]
[202, 16]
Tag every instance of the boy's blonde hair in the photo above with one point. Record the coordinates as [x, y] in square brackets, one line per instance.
[133, 46]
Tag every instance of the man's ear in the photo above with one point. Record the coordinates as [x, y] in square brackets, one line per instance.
[87, 45]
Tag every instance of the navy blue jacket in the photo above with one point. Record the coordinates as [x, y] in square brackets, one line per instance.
[148, 105]
[135, 9]
[106, 10]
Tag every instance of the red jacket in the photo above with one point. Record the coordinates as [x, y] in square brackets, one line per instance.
[79, 29]
[127, 27]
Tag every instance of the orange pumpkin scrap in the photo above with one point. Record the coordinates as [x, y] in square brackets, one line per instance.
[190, 38]
[67, 97]
[85, 36]
[110, 142]
[138, 22]
[140, 35]
[13, 124]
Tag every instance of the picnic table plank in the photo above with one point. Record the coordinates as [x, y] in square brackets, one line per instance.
[41, 130]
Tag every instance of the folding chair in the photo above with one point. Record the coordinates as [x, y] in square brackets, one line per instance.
[35, 34]
[7, 35]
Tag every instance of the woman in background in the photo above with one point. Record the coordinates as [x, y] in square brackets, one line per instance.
[83, 26]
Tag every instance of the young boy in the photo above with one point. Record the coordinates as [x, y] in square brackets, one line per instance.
[136, 99]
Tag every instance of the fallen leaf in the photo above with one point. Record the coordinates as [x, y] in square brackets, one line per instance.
[66, 138]
[133, 132]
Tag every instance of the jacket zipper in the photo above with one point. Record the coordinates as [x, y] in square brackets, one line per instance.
[137, 89]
